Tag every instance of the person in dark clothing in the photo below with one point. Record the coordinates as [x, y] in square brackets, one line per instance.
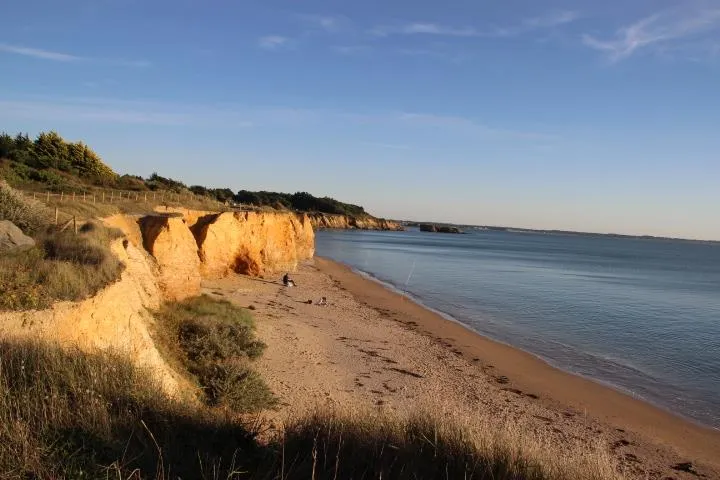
[287, 281]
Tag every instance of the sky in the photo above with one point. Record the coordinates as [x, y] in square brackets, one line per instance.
[578, 115]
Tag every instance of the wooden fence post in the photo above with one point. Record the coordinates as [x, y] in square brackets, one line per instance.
[33, 195]
[112, 194]
[103, 199]
[83, 196]
[56, 215]
[94, 198]
[73, 196]
[61, 196]
[75, 224]
[48, 197]
[145, 196]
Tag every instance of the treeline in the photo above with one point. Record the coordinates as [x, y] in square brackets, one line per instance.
[38, 159]
[59, 165]
[302, 201]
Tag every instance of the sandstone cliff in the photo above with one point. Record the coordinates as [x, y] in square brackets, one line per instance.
[255, 243]
[162, 256]
[117, 318]
[170, 241]
[335, 221]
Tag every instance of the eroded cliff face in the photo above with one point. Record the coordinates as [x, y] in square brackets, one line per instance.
[346, 222]
[117, 318]
[254, 243]
[170, 242]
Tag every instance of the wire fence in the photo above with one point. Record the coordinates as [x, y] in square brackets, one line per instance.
[119, 196]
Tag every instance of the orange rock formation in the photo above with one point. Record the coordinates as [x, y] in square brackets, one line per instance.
[170, 241]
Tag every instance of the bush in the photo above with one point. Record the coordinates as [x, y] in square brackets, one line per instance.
[214, 341]
[63, 266]
[28, 216]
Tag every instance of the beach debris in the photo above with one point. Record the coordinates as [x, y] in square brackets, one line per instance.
[685, 467]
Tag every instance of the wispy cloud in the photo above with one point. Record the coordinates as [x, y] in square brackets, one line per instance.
[66, 57]
[469, 125]
[552, 19]
[327, 23]
[546, 21]
[273, 42]
[424, 29]
[39, 53]
[114, 111]
[657, 31]
[119, 112]
[390, 146]
[351, 49]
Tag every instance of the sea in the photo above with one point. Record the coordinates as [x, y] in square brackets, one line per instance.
[639, 315]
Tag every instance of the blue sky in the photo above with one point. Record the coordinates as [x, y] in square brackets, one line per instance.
[584, 115]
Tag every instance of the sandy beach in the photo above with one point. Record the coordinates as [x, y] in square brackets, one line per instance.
[373, 348]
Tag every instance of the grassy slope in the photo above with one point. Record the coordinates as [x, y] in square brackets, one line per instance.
[72, 415]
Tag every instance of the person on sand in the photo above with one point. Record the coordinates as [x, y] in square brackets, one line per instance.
[287, 281]
[323, 301]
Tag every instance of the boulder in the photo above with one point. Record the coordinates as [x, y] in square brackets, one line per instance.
[12, 238]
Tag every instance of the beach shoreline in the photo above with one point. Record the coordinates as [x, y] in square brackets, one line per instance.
[373, 347]
[447, 317]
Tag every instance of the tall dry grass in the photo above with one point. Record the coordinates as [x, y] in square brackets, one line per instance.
[30, 216]
[73, 415]
[62, 266]
[328, 444]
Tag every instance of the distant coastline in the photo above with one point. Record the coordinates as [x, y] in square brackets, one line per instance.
[409, 223]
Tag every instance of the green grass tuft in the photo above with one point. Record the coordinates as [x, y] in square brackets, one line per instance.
[215, 342]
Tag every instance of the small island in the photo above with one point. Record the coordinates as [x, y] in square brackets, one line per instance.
[426, 227]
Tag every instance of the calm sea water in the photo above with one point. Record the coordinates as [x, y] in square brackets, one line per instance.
[640, 315]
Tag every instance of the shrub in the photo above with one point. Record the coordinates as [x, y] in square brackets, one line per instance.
[29, 216]
[214, 341]
[63, 266]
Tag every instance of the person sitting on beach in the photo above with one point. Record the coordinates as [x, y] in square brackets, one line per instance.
[287, 281]
[323, 301]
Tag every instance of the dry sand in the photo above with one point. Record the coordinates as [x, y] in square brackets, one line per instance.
[373, 348]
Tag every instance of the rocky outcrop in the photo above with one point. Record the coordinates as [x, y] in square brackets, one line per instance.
[170, 242]
[425, 227]
[12, 238]
[254, 243]
[346, 222]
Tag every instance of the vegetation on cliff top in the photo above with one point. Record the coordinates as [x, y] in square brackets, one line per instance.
[55, 164]
[61, 265]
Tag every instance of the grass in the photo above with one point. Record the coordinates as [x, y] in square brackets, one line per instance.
[29, 216]
[215, 342]
[427, 445]
[73, 415]
[62, 266]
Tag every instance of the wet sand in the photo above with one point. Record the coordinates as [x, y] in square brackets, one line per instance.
[374, 348]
